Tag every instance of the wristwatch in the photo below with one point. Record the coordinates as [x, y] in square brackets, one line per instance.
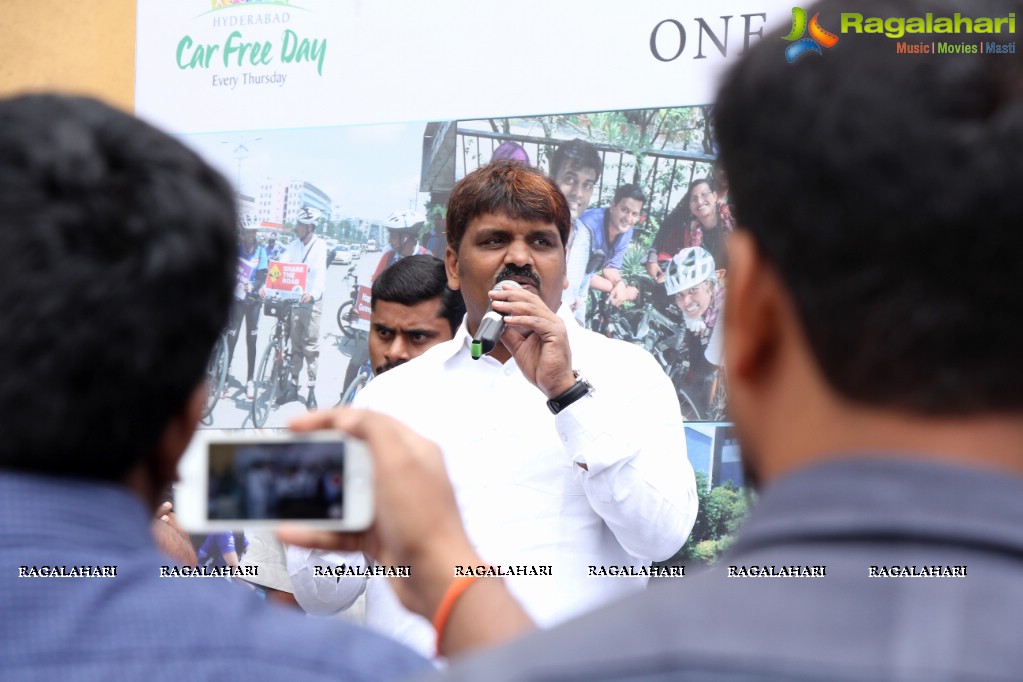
[580, 388]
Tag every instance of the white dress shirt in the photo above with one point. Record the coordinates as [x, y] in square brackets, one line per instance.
[515, 469]
[575, 270]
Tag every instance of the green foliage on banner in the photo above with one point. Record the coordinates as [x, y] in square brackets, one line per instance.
[633, 263]
[722, 510]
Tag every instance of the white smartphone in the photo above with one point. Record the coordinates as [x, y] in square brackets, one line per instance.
[233, 481]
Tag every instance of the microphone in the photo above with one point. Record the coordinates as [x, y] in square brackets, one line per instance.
[491, 326]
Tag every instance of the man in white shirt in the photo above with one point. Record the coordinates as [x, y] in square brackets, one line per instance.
[306, 248]
[575, 167]
[564, 447]
[412, 310]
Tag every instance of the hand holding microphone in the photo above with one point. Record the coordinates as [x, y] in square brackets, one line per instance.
[491, 326]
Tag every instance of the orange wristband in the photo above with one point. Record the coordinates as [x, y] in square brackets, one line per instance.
[455, 590]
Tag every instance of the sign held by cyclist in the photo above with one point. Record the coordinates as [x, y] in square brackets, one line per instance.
[286, 280]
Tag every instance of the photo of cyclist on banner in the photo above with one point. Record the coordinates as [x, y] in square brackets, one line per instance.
[692, 280]
[253, 264]
[300, 274]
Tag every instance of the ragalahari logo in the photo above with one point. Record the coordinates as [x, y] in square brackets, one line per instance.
[819, 37]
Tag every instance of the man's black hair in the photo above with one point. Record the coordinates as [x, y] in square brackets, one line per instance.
[884, 188]
[120, 248]
[578, 153]
[415, 279]
[506, 188]
[630, 191]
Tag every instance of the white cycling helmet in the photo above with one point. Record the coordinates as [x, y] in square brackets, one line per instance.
[688, 268]
[405, 219]
[248, 221]
[309, 216]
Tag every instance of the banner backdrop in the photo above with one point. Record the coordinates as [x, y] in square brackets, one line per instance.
[207, 65]
[361, 109]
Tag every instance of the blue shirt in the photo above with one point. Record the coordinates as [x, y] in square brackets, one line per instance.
[249, 266]
[595, 219]
[216, 545]
[139, 626]
[257, 260]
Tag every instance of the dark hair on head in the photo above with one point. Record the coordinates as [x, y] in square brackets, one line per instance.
[507, 188]
[123, 246]
[578, 153]
[630, 191]
[415, 279]
[881, 189]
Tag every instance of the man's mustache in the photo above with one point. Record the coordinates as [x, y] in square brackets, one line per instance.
[512, 271]
[388, 366]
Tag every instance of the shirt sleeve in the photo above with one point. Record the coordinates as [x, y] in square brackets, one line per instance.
[575, 269]
[381, 265]
[317, 262]
[324, 595]
[630, 437]
[225, 543]
[621, 246]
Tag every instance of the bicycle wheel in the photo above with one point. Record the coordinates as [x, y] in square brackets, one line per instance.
[216, 375]
[717, 410]
[345, 316]
[266, 385]
[356, 384]
[689, 411]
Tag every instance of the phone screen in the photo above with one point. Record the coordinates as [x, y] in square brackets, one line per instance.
[249, 481]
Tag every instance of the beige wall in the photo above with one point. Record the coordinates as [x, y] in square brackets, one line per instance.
[82, 47]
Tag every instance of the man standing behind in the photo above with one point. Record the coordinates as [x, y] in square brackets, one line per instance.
[413, 310]
[548, 473]
[611, 230]
[306, 248]
[575, 168]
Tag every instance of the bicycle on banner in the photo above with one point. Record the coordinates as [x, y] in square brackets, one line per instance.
[353, 314]
[680, 348]
[361, 378]
[272, 377]
[216, 377]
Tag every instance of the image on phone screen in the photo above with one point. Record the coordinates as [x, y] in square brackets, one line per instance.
[276, 481]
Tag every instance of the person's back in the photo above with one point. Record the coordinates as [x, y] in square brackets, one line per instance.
[137, 625]
[126, 258]
[912, 586]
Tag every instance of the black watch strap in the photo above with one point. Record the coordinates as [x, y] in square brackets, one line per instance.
[580, 388]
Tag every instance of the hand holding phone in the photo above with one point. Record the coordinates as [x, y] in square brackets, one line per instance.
[417, 521]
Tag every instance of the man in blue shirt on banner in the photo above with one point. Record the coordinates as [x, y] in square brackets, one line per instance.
[126, 260]
[611, 231]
